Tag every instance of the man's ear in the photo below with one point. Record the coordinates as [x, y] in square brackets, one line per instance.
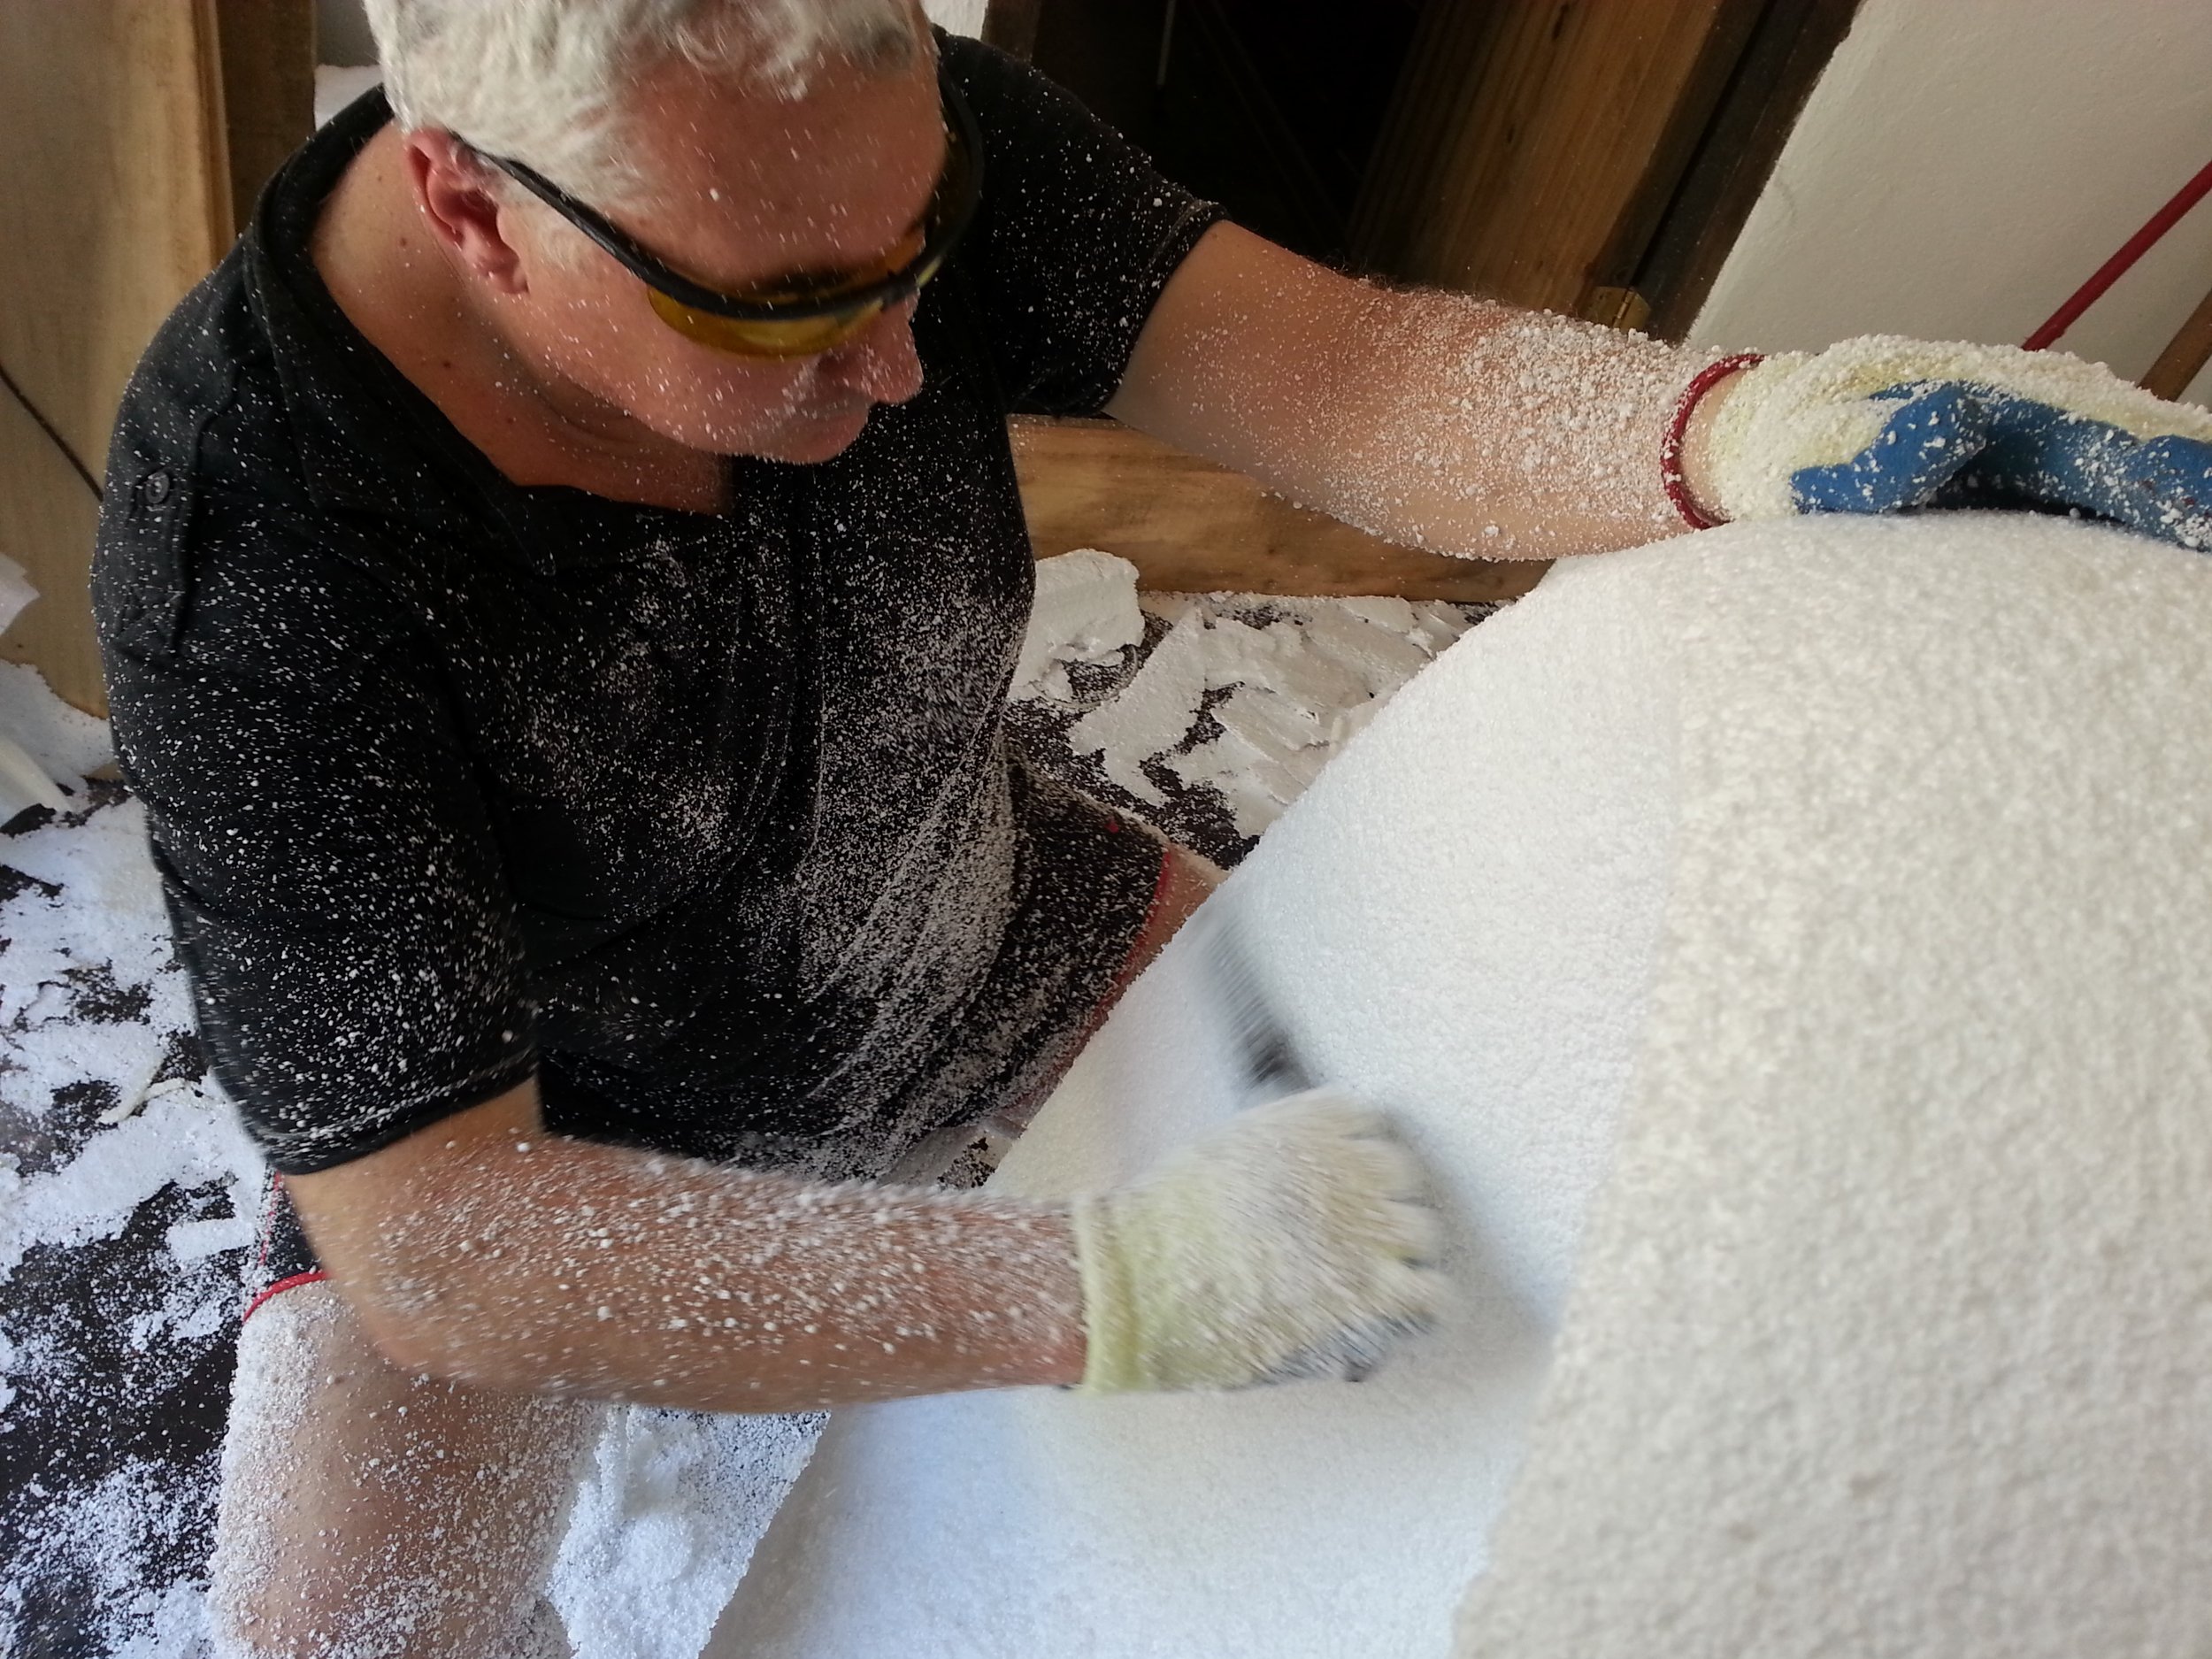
[463, 209]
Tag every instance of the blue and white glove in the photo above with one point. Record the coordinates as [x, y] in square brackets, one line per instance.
[1882, 424]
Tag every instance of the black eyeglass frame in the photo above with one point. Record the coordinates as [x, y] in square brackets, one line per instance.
[964, 173]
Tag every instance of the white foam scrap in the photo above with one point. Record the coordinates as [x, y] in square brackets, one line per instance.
[108, 922]
[666, 1518]
[1152, 714]
[1303, 682]
[67, 743]
[1085, 611]
[41, 739]
[15, 591]
[188, 1138]
[24, 783]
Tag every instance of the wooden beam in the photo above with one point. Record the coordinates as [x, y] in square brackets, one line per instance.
[1191, 526]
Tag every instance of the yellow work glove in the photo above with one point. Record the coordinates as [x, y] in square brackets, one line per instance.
[1295, 1241]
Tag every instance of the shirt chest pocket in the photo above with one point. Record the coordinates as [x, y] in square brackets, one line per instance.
[608, 861]
[608, 827]
[633, 725]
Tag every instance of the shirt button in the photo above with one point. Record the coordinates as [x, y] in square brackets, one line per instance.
[156, 488]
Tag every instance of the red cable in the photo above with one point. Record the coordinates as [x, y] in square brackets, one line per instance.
[2113, 269]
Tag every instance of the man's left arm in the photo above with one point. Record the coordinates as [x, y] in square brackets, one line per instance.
[1470, 427]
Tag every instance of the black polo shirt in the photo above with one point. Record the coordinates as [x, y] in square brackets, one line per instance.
[707, 820]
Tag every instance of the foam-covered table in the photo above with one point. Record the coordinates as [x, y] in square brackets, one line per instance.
[1793, 951]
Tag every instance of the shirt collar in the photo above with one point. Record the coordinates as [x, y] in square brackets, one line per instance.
[367, 437]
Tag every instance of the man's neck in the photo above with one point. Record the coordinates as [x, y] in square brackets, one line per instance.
[396, 283]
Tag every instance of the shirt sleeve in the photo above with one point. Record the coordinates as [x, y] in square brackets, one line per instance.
[339, 900]
[1075, 235]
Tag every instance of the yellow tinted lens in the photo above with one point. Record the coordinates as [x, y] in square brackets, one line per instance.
[764, 336]
[909, 250]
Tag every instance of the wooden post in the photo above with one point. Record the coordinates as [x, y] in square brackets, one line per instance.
[1591, 156]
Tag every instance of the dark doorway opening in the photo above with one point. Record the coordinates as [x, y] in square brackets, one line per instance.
[1270, 107]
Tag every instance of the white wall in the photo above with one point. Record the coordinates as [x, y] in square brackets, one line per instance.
[962, 17]
[1964, 164]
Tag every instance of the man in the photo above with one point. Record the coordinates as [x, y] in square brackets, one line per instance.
[559, 580]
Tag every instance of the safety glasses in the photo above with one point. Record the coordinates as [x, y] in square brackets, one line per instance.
[794, 321]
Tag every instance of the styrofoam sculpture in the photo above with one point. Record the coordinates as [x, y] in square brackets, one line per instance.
[1793, 952]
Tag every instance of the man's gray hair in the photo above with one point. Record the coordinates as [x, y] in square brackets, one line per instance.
[542, 81]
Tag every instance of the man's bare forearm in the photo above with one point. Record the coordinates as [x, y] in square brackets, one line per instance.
[1431, 418]
[514, 1259]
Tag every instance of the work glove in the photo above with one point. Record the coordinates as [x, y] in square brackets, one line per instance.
[1293, 1242]
[1881, 423]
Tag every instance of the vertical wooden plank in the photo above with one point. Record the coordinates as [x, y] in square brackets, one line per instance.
[1704, 87]
[1521, 137]
[114, 199]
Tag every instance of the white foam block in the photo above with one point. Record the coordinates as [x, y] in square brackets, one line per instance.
[1853, 874]
[1894, 1332]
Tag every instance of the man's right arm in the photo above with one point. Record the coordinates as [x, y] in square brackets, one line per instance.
[1296, 1239]
[485, 1249]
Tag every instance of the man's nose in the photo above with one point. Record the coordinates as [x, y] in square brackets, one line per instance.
[881, 364]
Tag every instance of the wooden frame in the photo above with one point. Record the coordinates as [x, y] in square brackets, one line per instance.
[1737, 110]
